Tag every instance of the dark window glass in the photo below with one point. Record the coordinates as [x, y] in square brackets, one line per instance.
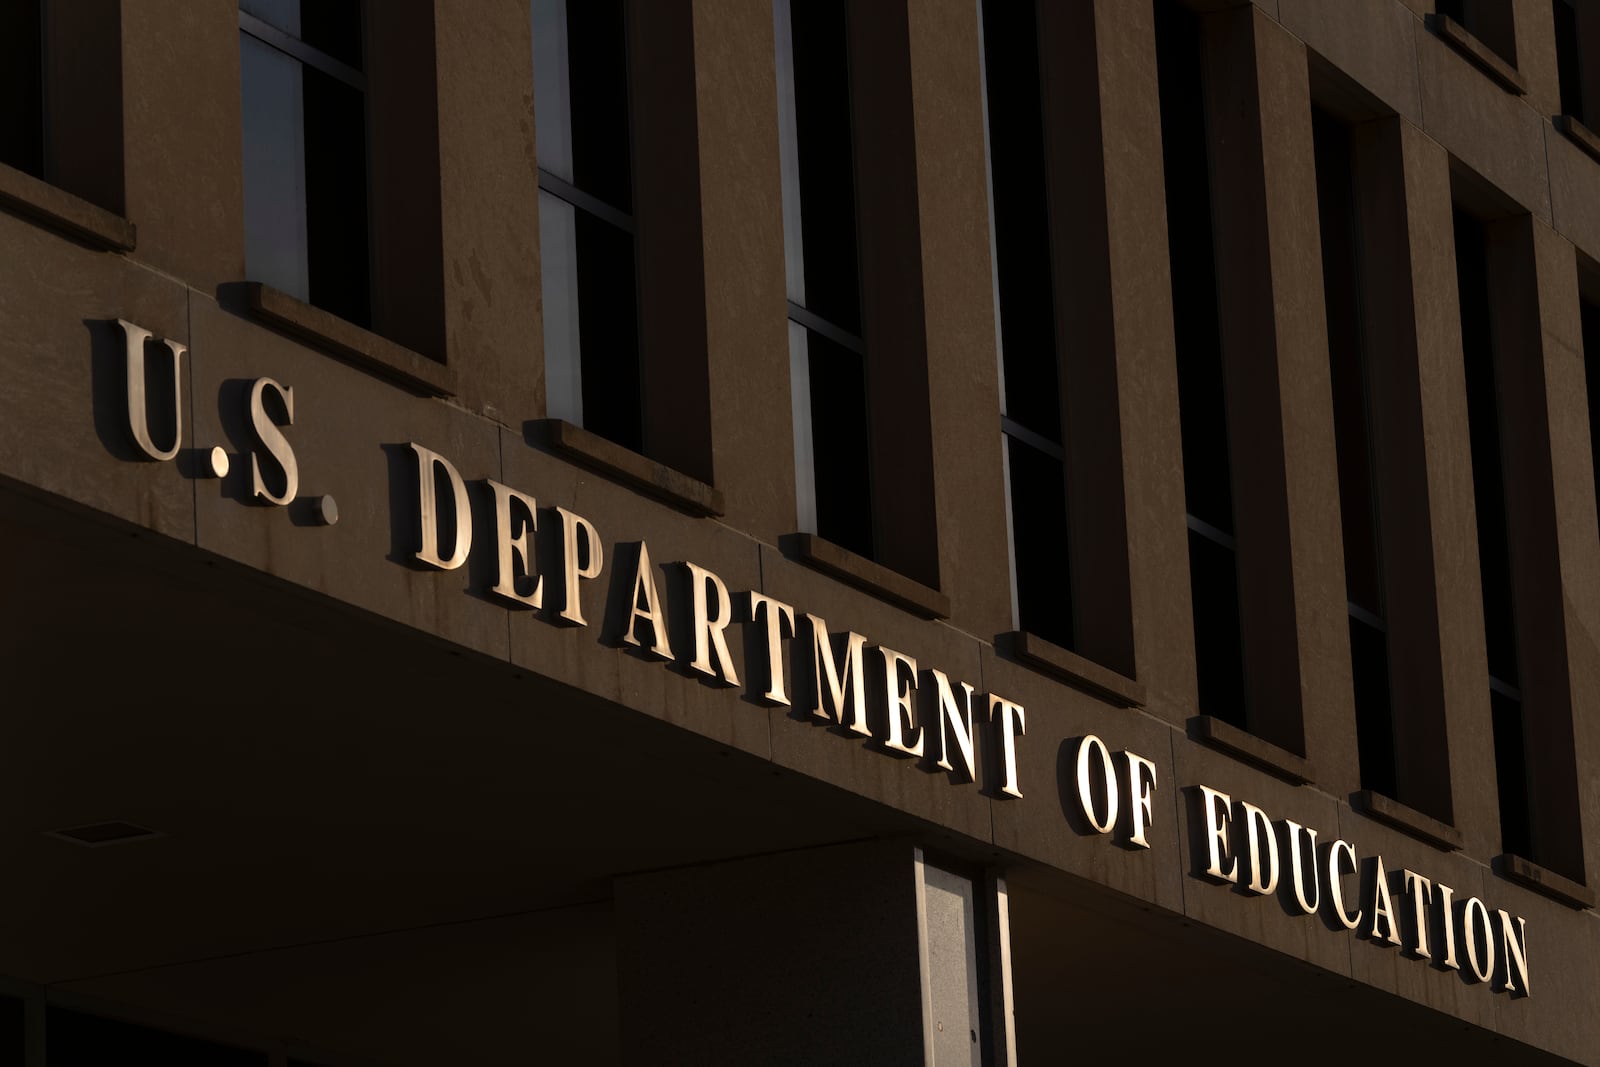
[1494, 556]
[1032, 417]
[840, 445]
[1511, 774]
[1569, 60]
[333, 27]
[1369, 669]
[1039, 539]
[830, 275]
[827, 169]
[1591, 369]
[336, 197]
[1490, 21]
[1363, 567]
[1219, 661]
[304, 124]
[1202, 402]
[74, 1039]
[22, 86]
[597, 52]
[586, 179]
[1021, 217]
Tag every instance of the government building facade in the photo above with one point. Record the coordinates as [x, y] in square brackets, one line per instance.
[974, 532]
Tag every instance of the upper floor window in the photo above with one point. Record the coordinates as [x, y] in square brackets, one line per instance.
[61, 96]
[828, 355]
[1490, 21]
[304, 117]
[22, 86]
[586, 217]
[1030, 377]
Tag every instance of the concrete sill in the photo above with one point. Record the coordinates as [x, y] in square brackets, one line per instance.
[626, 466]
[1033, 651]
[1246, 746]
[1549, 883]
[345, 340]
[1407, 820]
[1477, 53]
[1580, 135]
[864, 574]
[39, 201]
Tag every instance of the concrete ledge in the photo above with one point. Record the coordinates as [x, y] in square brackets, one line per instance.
[624, 465]
[1549, 883]
[1407, 820]
[1246, 746]
[1033, 651]
[344, 340]
[23, 194]
[1477, 53]
[864, 574]
[1579, 134]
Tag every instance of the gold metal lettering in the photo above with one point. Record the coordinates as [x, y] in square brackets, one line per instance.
[1336, 887]
[1514, 949]
[1141, 785]
[273, 441]
[1298, 865]
[429, 461]
[897, 692]
[582, 557]
[1421, 892]
[644, 585]
[830, 688]
[511, 539]
[1086, 784]
[1383, 908]
[955, 721]
[1447, 909]
[710, 630]
[138, 411]
[776, 615]
[1258, 829]
[1481, 961]
[1013, 722]
[1217, 834]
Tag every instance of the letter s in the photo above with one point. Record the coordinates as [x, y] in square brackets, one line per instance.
[273, 441]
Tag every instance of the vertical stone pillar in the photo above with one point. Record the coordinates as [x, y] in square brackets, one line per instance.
[180, 89]
[1423, 480]
[1279, 396]
[740, 209]
[1113, 294]
[1555, 557]
[488, 193]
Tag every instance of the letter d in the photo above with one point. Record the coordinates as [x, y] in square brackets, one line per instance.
[428, 510]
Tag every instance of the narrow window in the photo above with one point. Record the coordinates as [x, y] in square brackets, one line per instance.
[828, 362]
[586, 222]
[1363, 559]
[1030, 391]
[22, 86]
[303, 107]
[1569, 60]
[1208, 489]
[1490, 21]
[1494, 551]
[1590, 309]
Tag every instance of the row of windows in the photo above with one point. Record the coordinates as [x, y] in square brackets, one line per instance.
[308, 165]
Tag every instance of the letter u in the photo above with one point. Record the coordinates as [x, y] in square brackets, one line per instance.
[138, 409]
